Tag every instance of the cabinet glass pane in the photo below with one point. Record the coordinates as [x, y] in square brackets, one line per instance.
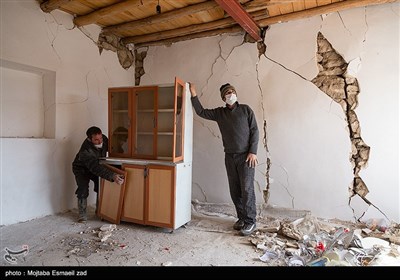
[165, 122]
[164, 144]
[166, 97]
[179, 121]
[120, 122]
[145, 121]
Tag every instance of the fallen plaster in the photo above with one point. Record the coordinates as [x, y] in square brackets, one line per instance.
[334, 80]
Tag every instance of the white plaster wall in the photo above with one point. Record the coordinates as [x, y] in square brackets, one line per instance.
[307, 138]
[307, 135]
[36, 176]
[20, 108]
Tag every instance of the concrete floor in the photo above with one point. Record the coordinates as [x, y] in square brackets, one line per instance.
[57, 240]
[208, 240]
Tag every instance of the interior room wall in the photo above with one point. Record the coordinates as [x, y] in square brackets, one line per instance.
[307, 138]
[35, 173]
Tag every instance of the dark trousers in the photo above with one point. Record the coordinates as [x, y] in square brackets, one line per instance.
[83, 180]
[241, 186]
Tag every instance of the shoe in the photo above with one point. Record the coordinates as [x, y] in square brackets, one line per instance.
[238, 225]
[247, 229]
[82, 220]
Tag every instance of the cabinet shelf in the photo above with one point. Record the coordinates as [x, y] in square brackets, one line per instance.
[165, 133]
[152, 111]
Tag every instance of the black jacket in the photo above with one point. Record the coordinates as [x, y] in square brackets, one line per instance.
[86, 161]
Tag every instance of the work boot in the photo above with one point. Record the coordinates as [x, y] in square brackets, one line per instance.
[82, 204]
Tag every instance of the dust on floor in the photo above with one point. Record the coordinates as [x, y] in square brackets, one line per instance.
[57, 240]
[282, 238]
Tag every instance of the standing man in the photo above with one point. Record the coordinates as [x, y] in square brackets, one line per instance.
[86, 167]
[239, 131]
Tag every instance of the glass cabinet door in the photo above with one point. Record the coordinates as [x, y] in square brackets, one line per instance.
[145, 115]
[119, 122]
[147, 121]
[179, 120]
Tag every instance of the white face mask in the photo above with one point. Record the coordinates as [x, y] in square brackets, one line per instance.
[230, 99]
[99, 146]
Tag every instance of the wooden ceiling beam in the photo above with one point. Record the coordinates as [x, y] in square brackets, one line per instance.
[233, 29]
[183, 31]
[51, 5]
[326, 9]
[256, 5]
[162, 35]
[109, 11]
[188, 10]
[226, 25]
[239, 14]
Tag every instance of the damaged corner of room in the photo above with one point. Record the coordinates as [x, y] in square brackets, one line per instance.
[112, 42]
[343, 88]
[261, 46]
[126, 58]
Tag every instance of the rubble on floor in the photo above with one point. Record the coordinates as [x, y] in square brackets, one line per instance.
[287, 237]
[91, 241]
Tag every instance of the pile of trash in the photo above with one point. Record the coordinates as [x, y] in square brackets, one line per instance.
[309, 241]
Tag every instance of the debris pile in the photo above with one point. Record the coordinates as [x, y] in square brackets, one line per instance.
[288, 237]
[96, 241]
[309, 241]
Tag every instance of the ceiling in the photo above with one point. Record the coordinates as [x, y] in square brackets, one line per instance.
[144, 23]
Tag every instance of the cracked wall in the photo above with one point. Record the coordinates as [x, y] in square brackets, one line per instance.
[139, 69]
[307, 151]
[41, 168]
[343, 88]
[113, 43]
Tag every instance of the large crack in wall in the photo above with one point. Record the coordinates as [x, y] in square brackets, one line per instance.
[139, 69]
[333, 80]
[262, 47]
[112, 42]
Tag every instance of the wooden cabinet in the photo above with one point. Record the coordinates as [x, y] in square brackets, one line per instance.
[147, 121]
[150, 132]
[149, 195]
